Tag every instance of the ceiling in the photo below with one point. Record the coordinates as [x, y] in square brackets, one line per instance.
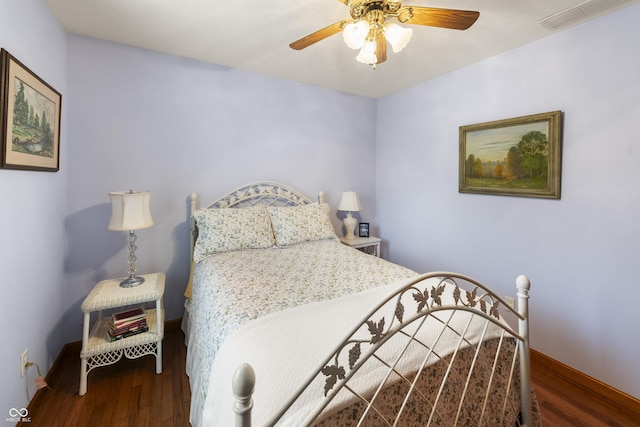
[254, 35]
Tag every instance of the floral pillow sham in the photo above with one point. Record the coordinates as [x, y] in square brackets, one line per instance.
[222, 230]
[296, 224]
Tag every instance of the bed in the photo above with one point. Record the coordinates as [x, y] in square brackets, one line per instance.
[312, 332]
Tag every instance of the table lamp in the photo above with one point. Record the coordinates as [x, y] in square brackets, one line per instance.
[349, 202]
[130, 211]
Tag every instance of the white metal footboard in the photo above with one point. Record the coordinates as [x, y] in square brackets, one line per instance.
[441, 323]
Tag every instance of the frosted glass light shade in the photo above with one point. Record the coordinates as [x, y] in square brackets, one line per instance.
[367, 53]
[397, 36]
[355, 33]
[130, 210]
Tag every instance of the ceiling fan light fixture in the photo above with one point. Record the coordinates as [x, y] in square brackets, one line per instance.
[397, 36]
[367, 53]
[355, 33]
[372, 25]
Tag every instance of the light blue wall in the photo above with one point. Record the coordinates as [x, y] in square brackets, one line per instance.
[581, 252]
[145, 120]
[31, 217]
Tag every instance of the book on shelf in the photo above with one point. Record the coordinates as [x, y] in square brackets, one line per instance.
[127, 316]
[136, 324]
[136, 331]
[127, 323]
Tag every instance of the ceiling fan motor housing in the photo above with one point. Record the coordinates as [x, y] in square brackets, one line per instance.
[360, 9]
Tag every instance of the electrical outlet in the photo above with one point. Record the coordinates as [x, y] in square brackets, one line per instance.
[24, 359]
[510, 301]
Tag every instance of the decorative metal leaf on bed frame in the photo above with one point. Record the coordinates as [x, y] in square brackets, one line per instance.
[426, 300]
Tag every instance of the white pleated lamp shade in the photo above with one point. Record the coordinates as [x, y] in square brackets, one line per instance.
[130, 210]
[349, 202]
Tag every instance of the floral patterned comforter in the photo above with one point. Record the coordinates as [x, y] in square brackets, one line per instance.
[233, 288]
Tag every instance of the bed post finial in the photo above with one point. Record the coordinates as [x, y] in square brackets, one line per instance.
[524, 284]
[243, 383]
[194, 202]
[321, 197]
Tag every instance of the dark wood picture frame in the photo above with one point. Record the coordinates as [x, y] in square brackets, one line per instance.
[363, 229]
[30, 112]
[521, 156]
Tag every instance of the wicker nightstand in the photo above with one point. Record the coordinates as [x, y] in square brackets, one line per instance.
[97, 349]
[365, 244]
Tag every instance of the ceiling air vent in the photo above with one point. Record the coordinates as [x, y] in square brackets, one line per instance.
[581, 12]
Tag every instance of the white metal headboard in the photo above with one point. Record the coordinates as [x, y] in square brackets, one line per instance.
[258, 193]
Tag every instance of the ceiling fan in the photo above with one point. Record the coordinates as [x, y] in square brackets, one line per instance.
[372, 26]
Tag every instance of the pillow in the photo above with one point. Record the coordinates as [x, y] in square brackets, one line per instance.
[296, 224]
[231, 229]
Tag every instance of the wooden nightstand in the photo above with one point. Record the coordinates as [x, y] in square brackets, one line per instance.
[97, 349]
[365, 244]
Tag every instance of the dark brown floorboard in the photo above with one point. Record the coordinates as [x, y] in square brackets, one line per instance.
[562, 403]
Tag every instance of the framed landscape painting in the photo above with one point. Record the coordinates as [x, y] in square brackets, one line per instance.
[512, 157]
[29, 118]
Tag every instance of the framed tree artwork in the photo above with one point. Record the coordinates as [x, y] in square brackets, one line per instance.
[513, 157]
[29, 118]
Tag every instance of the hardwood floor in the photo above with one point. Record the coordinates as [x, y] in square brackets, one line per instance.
[130, 393]
[567, 402]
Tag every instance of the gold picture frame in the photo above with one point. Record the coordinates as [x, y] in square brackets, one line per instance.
[29, 118]
[521, 156]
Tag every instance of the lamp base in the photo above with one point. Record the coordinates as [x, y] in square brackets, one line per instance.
[132, 281]
[349, 226]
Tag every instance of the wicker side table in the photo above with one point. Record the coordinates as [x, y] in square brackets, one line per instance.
[97, 349]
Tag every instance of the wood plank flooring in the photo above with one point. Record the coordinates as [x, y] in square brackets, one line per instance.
[130, 393]
[565, 403]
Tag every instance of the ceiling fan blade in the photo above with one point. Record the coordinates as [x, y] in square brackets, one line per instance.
[312, 38]
[435, 17]
[381, 48]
